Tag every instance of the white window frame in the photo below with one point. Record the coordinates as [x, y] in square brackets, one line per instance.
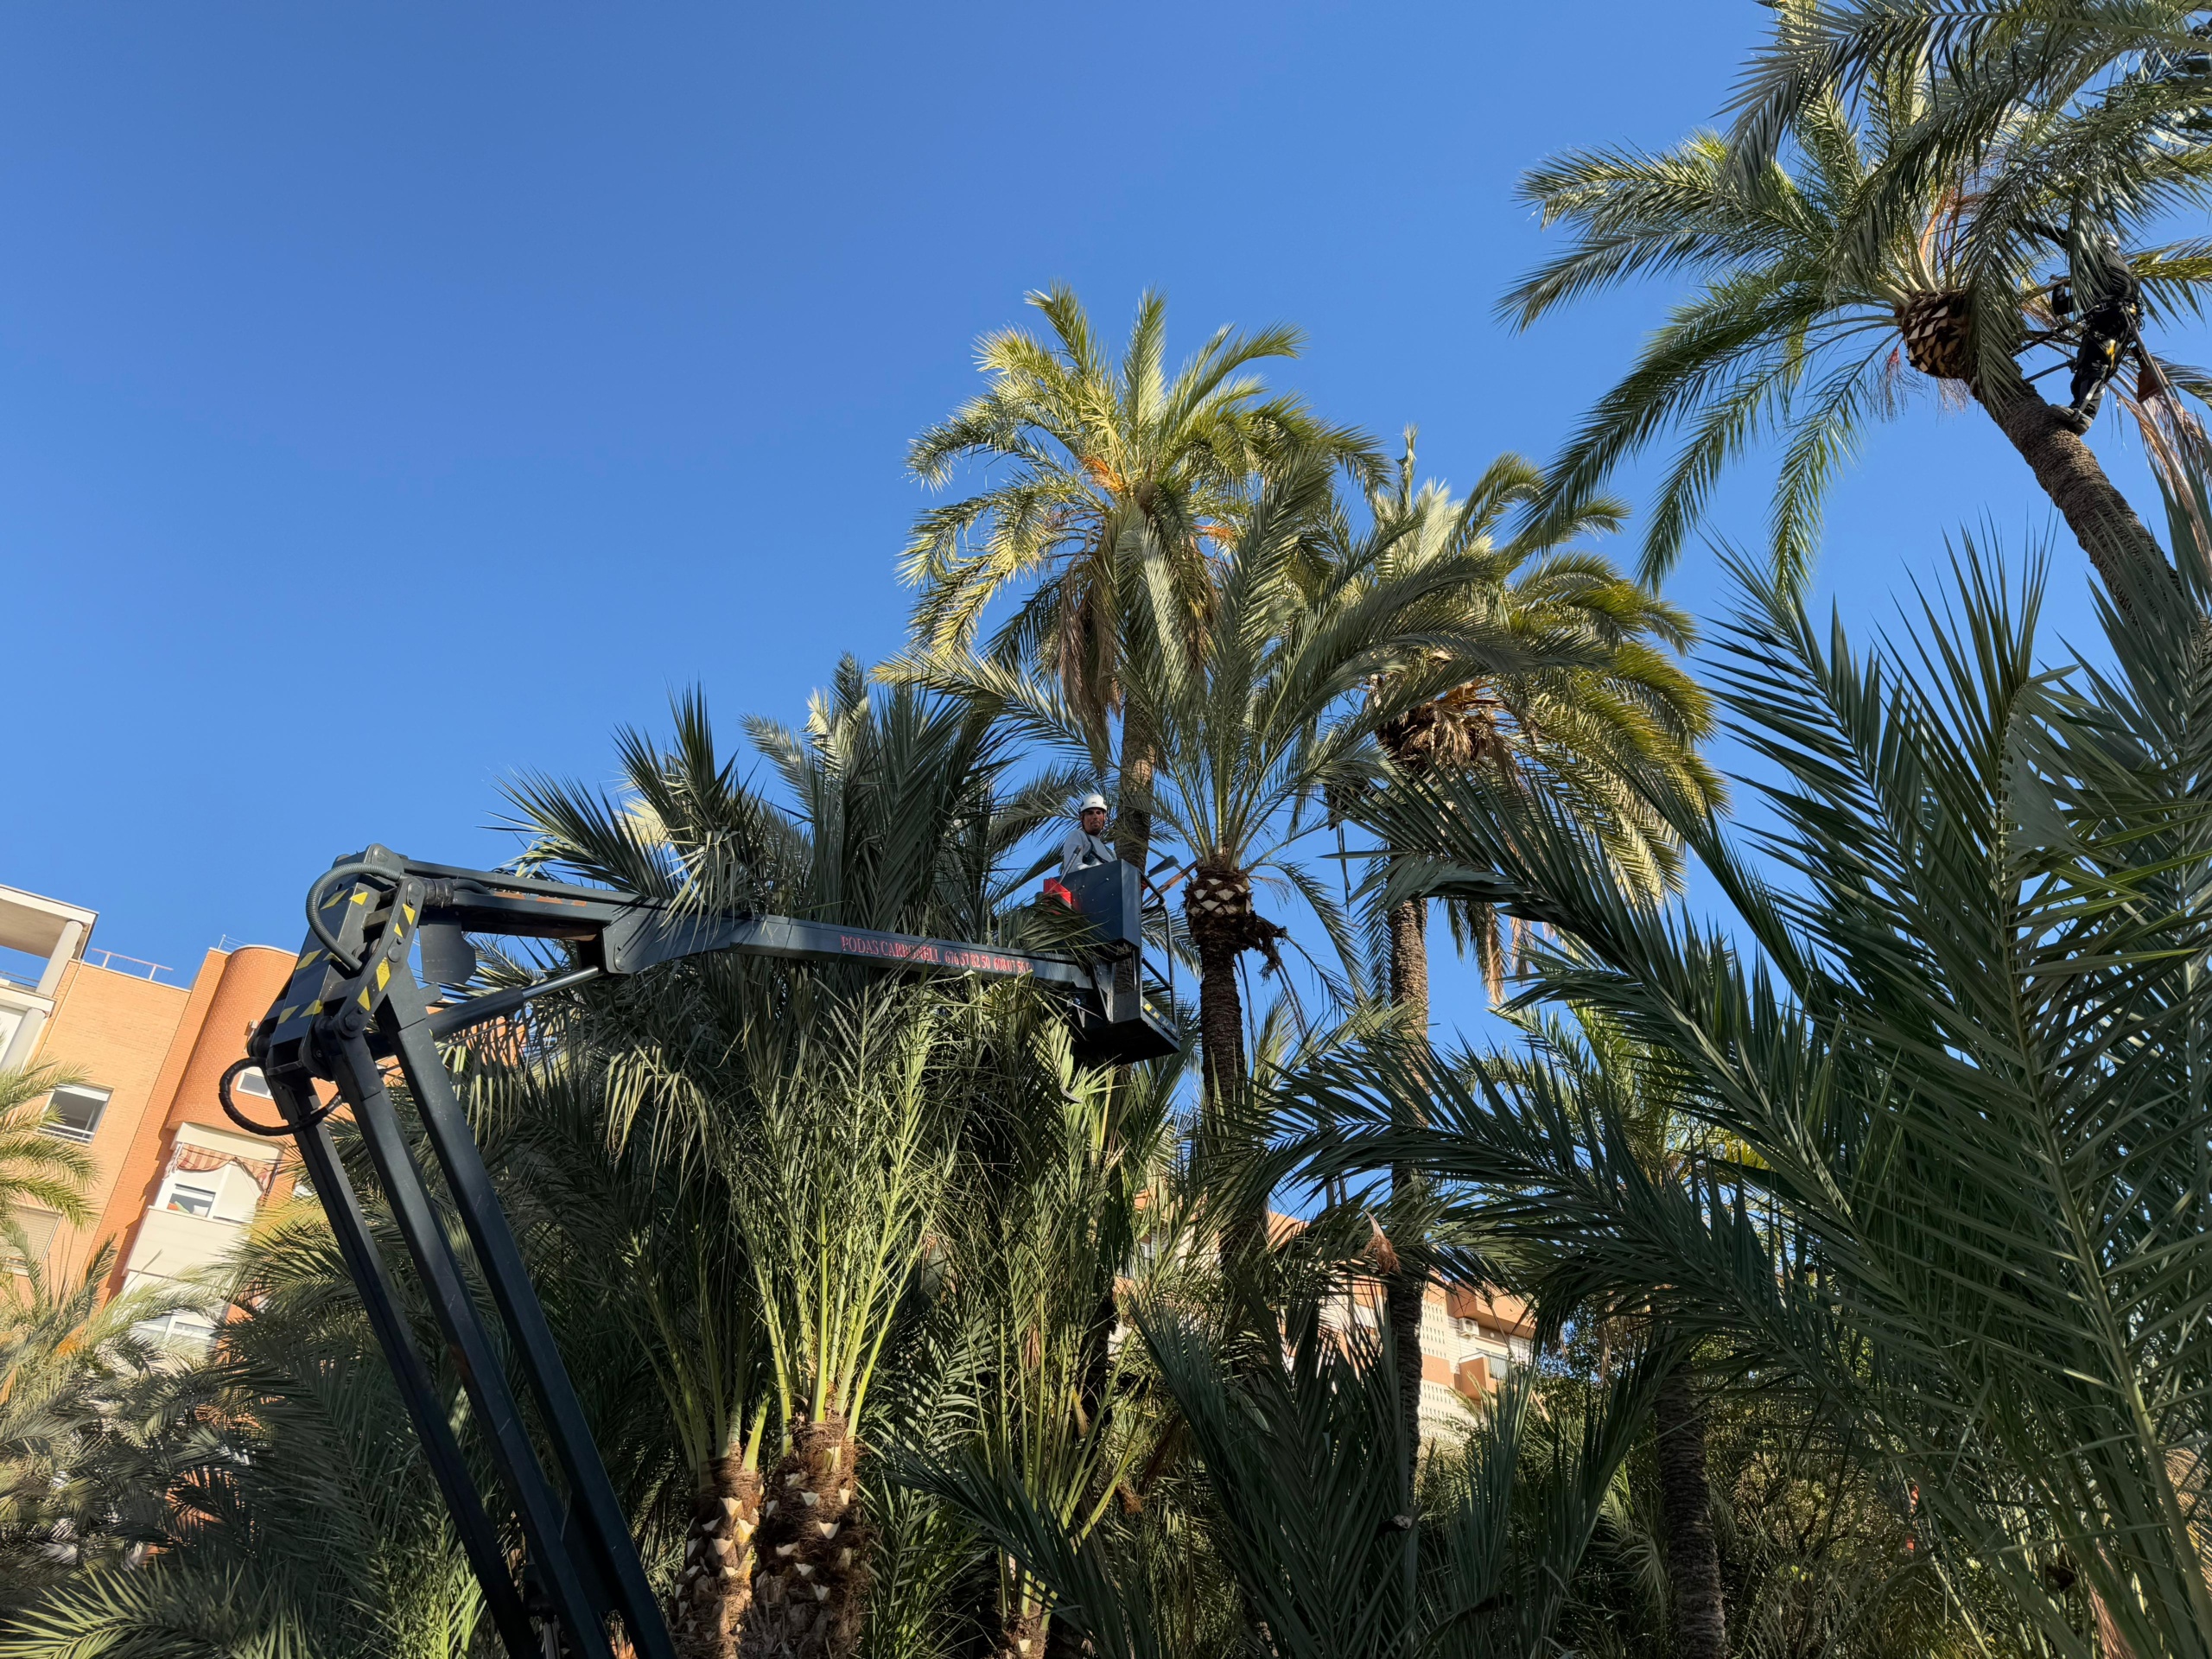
[237, 1195]
[181, 1330]
[61, 1131]
[183, 1180]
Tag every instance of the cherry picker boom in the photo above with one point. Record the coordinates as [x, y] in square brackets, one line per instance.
[354, 1004]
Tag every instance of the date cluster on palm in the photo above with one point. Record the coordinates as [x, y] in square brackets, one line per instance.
[810, 1587]
[1937, 333]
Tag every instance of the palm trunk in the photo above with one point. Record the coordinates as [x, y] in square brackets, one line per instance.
[1221, 1036]
[1221, 1030]
[1409, 959]
[1218, 910]
[810, 1598]
[1022, 1623]
[1405, 1290]
[1133, 828]
[1698, 1616]
[707, 1607]
[2099, 517]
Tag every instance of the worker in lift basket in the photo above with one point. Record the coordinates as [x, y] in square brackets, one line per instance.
[1086, 844]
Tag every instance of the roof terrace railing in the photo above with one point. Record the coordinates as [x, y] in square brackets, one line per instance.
[109, 958]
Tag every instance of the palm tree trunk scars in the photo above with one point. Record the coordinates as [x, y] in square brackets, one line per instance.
[810, 1597]
[2098, 514]
[1409, 959]
[1938, 333]
[1221, 1022]
[1698, 1616]
[1405, 1290]
[1221, 1041]
[1403, 1293]
[1217, 908]
[1133, 827]
[707, 1607]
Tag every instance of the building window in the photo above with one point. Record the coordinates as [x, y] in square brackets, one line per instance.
[74, 1112]
[180, 1332]
[190, 1199]
[37, 1228]
[251, 1081]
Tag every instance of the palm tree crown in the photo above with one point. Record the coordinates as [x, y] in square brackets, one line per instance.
[1851, 251]
[1600, 714]
[1125, 484]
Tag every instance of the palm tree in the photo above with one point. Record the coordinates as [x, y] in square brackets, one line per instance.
[37, 1170]
[649, 1252]
[1122, 479]
[1596, 1070]
[1022, 1265]
[76, 1372]
[1273, 714]
[825, 1103]
[281, 1505]
[837, 1197]
[1847, 248]
[1603, 716]
[1252, 730]
[1299, 1459]
[1602, 719]
[1961, 1087]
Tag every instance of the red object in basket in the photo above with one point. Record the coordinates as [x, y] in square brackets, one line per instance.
[1055, 888]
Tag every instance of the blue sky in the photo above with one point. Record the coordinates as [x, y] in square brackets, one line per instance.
[395, 399]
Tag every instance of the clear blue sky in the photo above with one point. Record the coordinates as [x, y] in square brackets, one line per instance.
[394, 398]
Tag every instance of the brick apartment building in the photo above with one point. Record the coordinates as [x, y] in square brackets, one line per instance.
[175, 1183]
[1471, 1339]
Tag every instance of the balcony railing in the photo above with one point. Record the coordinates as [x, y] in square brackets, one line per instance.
[109, 958]
[26, 979]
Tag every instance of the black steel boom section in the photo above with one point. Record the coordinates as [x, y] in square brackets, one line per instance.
[354, 1005]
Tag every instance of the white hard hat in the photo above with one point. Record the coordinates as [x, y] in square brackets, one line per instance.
[1093, 801]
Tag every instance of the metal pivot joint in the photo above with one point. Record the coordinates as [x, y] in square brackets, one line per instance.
[354, 1008]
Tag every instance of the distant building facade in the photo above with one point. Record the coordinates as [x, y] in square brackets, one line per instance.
[1472, 1338]
[175, 1183]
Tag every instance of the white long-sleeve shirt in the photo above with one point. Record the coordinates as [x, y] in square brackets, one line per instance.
[1080, 851]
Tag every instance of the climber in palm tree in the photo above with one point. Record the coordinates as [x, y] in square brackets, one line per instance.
[1850, 250]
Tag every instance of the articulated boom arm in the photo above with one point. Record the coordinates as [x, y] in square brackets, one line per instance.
[354, 1004]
